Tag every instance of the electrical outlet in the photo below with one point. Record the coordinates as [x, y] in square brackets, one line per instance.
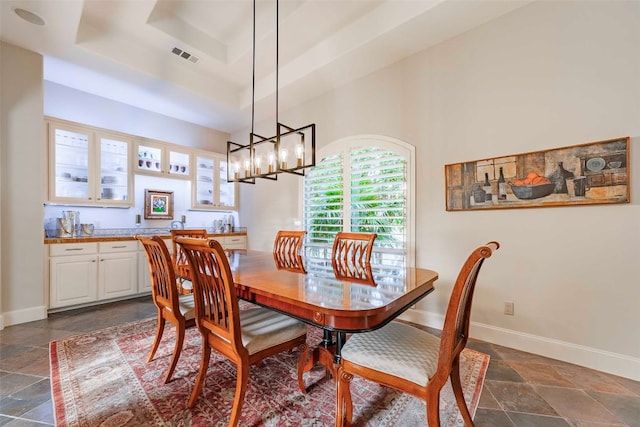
[508, 308]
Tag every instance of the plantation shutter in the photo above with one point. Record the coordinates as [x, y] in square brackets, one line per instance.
[361, 189]
[378, 195]
[324, 200]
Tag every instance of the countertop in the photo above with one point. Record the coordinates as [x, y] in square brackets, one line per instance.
[114, 238]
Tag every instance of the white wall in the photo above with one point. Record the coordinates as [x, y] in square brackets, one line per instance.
[548, 75]
[22, 133]
[66, 103]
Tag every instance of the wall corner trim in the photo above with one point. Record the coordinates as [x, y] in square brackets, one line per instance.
[23, 316]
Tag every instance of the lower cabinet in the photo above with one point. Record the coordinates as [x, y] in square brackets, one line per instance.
[234, 242]
[117, 269]
[82, 273]
[73, 280]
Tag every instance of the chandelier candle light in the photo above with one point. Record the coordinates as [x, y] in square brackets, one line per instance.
[275, 150]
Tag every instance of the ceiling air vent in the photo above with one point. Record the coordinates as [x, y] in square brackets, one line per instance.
[185, 55]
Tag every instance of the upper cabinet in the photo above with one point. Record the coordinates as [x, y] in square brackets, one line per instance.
[93, 166]
[210, 189]
[156, 158]
[87, 167]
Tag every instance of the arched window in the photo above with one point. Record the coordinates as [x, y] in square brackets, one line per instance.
[362, 184]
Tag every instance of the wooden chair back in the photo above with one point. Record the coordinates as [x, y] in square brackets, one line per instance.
[216, 301]
[163, 278]
[286, 250]
[351, 255]
[455, 331]
[178, 256]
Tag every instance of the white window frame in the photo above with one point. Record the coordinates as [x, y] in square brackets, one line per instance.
[397, 146]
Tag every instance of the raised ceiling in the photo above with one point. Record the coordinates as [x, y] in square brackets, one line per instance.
[122, 49]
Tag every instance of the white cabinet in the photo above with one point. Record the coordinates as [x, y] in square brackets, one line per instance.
[81, 273]
[88, 166]
[118, 269]
[234, 242]
[73, 274]
[161, 159]
[210, 189]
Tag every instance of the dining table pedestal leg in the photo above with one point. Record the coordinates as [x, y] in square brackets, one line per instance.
[324, 354]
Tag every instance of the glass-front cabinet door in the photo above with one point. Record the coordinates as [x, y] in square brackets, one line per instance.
[150, 158]
[228, 190]
[179, 163]
[156, 158]
[203, 184]
[88, 166]
[69, 160]
[115, 184]
[210, 189]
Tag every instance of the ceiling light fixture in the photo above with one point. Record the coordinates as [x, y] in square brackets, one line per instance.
[291, 150]
[28, 16]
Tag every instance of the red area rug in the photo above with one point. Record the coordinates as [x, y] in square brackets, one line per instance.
[102, 379]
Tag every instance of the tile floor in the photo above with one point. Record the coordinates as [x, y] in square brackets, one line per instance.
[520, 389]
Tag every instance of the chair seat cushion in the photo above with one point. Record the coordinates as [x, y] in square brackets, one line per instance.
[397, 349]
[187, 306]
[263, 328]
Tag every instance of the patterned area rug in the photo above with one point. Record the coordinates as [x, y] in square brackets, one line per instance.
[102, 379]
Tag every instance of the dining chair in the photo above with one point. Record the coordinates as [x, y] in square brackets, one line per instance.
[172, 307]
[412, 360]
[244, 337]
[351, 255]
[286, 250]
[179, 259]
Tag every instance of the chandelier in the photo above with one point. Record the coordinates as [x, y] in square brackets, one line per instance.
[291, 150]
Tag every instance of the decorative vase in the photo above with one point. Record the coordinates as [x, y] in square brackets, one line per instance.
[559, 178]
[479, 195]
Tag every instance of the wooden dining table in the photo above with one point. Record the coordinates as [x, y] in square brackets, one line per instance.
[339, 306]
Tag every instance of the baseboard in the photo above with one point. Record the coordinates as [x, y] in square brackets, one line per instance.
[23, 316]
[605, 361]
[1, 322]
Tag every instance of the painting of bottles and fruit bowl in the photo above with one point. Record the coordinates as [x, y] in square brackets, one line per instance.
[584, 174]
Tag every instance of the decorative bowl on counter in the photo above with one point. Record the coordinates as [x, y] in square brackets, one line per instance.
[527, 192]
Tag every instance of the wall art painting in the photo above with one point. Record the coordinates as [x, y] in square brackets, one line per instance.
[158, 204]
[585, 174]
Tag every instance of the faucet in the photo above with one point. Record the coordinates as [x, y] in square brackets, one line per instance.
[177, 224]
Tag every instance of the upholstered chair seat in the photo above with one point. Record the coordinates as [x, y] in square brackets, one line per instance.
[416, 362]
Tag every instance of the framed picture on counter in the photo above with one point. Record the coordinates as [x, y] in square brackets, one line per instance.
[158, 204]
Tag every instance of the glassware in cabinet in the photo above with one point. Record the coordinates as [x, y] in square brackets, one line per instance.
[115, 179]
[179, 163]
[210, 189]
[157, 158]
[150, 158]
[88, 166]
[227, 189]
[204, 182]
[70, 164]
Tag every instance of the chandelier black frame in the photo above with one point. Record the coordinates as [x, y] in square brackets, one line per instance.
[245, 161]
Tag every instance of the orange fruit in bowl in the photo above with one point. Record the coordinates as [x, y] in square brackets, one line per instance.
[538, 180]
